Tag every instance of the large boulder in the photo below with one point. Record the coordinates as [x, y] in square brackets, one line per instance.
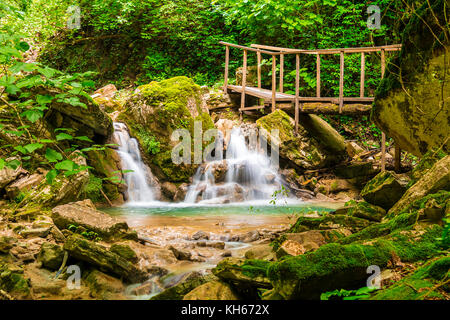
[107, 261]
[155, 111]
[214, 290]
[437, 178]
[411, 104]
[8, 175]
[245, 273]
[51, 256]
[385, 189]
[83, 214]
[25, 183]
[364, 210]
[316, 145]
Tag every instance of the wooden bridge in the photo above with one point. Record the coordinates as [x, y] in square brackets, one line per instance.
[322, 105]
[276, 98]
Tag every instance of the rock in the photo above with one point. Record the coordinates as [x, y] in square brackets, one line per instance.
[187, 283]
[437, 178]
[51, 256]
[200, 235]
[225, 126]
[7, 175]
[355, 169]
[24, 184]
[433, 210]
[250, 236]
[90, 121]
[243, 273]
[385, 189]
[327, 186]
[226, 253]
[63, 189]
[6, 243]
[124, 251]
[216, 244]
[214, 290]
[107, 91]
[180, 194]
[363, 210]
[92, 253]
[158, 109]
[290, 248]
[316, 145]
[313, 236]
[426, 163]
[13, 281]
[83, 214]
[261, 252]
[415, 112]
[353, 149]
[335, 222]
[43, 283]
[218, 169]
[38, 232]
[181, 254]
[169, 190]
[104, 287]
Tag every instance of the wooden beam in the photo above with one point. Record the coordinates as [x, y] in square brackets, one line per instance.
[392, 47]
[318, 76]
[244, 79]
[383, 151]
[363, 74]
[383, 62]
[274, 81]
[297, 87]
[227, 60]
[397, 158]
[258, 55]
[281, 71]
[247, 48]
[341, 82]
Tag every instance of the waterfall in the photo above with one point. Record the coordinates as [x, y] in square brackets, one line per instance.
[245, 174]
[138, 175]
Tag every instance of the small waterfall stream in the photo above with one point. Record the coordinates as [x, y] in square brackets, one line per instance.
[138, 177]
[246, 174]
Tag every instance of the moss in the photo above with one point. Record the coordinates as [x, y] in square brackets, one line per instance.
[421, 284]
[329, 221]
[425, 164]
[13, 282]
[92, 189]
[364, 210]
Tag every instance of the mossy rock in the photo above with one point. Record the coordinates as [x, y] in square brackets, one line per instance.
[178, 291]
[385, 189]
[337, 221]
[13, 281]
[364, 210]
[354, 170]
[158, 109]
[6, 243]
[426, 163]
[124, 251]
[51, 256]
[421, 284]
[214, 290]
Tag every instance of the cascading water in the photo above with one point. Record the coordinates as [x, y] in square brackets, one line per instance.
[138, 175]
[245, 174]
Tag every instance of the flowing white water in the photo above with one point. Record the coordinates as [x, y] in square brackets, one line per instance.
[139, 189]
[246, 174]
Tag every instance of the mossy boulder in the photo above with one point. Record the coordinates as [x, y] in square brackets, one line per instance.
[410, 103]
[426, 163]
[336, 221]
[107, 261]
[189, 283]
[316, 145]
[103, 286]
[155, 111]
[335, 266]
[423, 283]
[385, 189]
[51, 256]
[214, 290]
[364, 210]
[124, 251]
[6, 244]
[13, 281]
[437, 178]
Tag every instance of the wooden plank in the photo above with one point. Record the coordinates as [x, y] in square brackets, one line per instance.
[383, 61]
[258, 55]
[363, 74]
[252, 108]
[227, 60]
[297, 87]
[318, 76]
[397, 158]
[244, 79]
[274, 82]
[281, 71]
[383, 151]
[392, 47]
[341, 82]
[247, 48]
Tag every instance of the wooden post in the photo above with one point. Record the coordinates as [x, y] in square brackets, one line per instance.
[318, 76]
[383, 135]
[258, 55]
[397, 158]
[281, 71]
[244, 80]
[227, 59]
[341, 83]
[297, 87]
[363, 74]
[274, 81]
[383, 151]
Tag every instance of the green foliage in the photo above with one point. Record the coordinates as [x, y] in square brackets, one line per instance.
[149, 141]
[342, 294]
[90, 235]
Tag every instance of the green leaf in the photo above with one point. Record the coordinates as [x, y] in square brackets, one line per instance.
[21, 149]
[23, 46]
[43, 99]
[33, 115]
[2, 163]
[51, 175]
[83, 138]
[63, 136]
[13, 164]
[67, 165]
[33, 147]
[52, 155]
